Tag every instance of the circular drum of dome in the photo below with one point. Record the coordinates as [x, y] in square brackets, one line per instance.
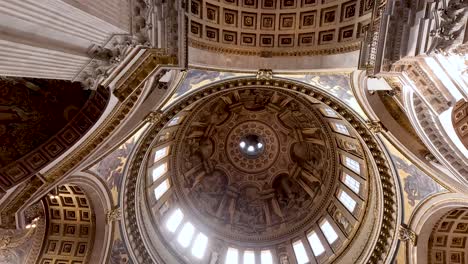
[260, 166]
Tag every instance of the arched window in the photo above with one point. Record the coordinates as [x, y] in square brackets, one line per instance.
[316, 245]
[232, 256]
[328, 231]
[352, 183]
[161, 189]
[347, 201]
[300, 252]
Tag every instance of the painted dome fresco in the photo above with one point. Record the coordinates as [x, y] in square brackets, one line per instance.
[257, 169]
[264, 195]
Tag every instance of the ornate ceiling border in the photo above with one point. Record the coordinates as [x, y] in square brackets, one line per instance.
[28, 165]
[133, 90]
[338, 49]
[388, 228]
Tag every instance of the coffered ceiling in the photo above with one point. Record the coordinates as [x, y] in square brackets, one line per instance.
[278, 27]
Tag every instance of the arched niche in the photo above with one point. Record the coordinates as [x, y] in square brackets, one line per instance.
[426, 217]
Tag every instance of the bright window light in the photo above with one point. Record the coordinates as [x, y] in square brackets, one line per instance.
[328, 231]
[347, 201]
[160, 153]
[186, 234]
[329, 112]
[300, 252]
[314, 241]
[250, 148]
[353, 165]
[174, 220]
[174, 121]
[259, 145]
[242, 144]
[232, 256]
[161, 189]
[249, 257]
[340, 128]
[199, 245]
[159, 171]
[266, 257]
[351, 183]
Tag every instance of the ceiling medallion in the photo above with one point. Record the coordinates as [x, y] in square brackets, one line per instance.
[254, 164]
[260, 146]
[252, 145]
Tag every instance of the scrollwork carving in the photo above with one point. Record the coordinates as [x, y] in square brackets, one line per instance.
[407, 235]
[113, 215]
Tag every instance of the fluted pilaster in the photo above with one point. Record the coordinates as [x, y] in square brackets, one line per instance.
[50, 39]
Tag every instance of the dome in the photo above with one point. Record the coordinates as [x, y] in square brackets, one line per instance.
[262, 197]
[248, 168]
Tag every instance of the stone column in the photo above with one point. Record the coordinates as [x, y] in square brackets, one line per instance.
[50, 39]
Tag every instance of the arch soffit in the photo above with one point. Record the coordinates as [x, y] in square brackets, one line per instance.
[359, 86]
[101, 203]
[425, 216]
[408, 98]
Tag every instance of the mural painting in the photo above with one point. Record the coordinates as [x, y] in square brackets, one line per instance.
[416, 185]
[338, 84]
[32, 111]
[119, 253]
[198, 78]
[111, 169]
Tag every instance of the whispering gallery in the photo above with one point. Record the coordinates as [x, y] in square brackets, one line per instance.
[233, 131]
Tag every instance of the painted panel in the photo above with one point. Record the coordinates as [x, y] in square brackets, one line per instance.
[338, 84]
[196, 79]
[416, 185]
[111, 167]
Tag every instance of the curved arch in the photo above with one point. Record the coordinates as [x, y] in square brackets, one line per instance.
[101, 202]
[429, 131]
[430, 168]
[425, 216]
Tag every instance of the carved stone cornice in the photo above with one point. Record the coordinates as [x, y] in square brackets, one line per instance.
[104, 59]
[341, 48]
[426, 86]
[432, 129]
[388, 226]
[142, 69]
